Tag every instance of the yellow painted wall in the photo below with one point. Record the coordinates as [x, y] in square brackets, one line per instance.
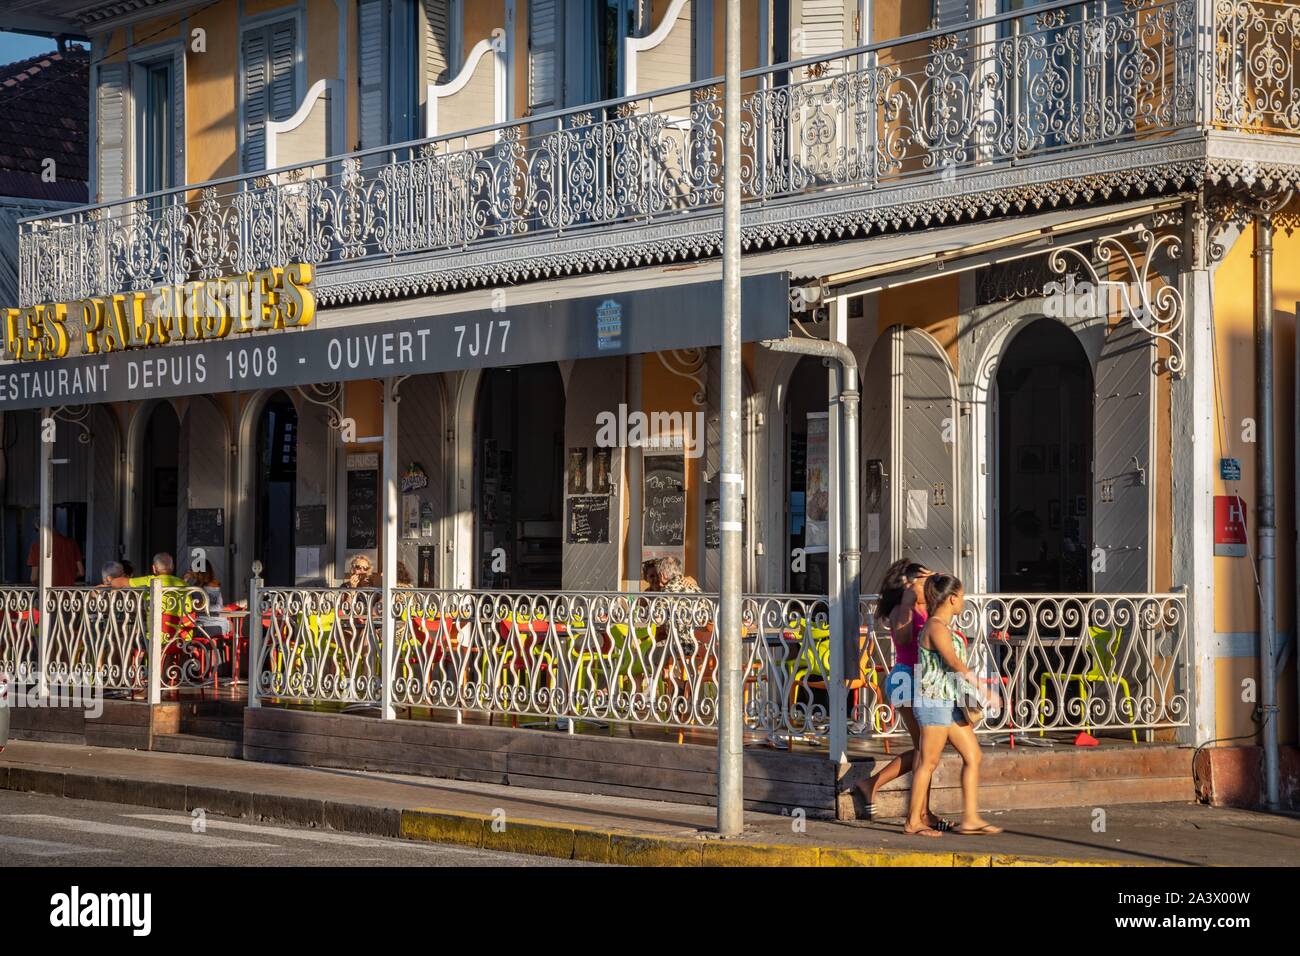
[898, 18]
[1235, 597]
[931, 305]
[211, 95]
[662, 391]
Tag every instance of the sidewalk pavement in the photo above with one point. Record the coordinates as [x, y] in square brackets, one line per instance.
[636, 832]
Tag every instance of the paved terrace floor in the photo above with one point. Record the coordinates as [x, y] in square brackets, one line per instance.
[1142, 834]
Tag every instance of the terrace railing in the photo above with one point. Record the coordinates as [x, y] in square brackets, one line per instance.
[141, 641]
[1072, 78]
[1052, 663]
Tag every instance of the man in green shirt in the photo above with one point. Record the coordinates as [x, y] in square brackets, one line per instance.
[163, 568]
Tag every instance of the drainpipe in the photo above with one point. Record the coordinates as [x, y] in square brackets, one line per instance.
[1267, 529]
[847, 395]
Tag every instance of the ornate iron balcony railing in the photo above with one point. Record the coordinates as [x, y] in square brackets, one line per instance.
[1072, 79]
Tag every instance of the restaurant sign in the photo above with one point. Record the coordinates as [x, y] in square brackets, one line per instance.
[353, 347]
[277, 298]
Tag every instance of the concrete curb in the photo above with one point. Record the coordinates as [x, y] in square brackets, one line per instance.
[487, 831]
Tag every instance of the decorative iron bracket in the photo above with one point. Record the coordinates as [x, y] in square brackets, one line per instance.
[688, 364]
[1152, 303]
[328, 396]
[79, 417]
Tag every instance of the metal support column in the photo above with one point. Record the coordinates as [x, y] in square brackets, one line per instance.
[1267, 513]
[730, 716]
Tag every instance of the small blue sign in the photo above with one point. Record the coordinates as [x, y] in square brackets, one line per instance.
[1230, 469]
[609, 325]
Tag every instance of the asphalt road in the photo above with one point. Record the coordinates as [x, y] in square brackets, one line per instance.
[39, 830]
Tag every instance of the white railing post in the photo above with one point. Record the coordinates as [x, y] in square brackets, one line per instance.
[388, 549]
[155, 640]
[254, 635]
[46, 553]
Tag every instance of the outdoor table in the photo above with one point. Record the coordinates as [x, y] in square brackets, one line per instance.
[236, 633]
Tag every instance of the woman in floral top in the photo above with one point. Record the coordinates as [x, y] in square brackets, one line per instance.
[944, 678]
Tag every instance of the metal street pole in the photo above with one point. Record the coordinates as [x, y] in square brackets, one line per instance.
[730, 720]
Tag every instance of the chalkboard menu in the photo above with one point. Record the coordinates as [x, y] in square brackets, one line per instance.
[363, 510]
[205, 528]
[663, 522]
[713, 523]
[309, 526]
[588, 519]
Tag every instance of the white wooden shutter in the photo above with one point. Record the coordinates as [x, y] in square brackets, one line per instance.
[372, 72]
[110, 123]
[949, 13]
[543, 55]
[179, 171]
[437, 41]
[825, 28]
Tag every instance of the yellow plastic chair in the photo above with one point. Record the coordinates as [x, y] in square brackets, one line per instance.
[813, 672]
[1105, 647]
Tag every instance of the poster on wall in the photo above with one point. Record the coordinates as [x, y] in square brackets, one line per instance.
[601, 467]
[410, 516]
[817, 496]
[577, 472]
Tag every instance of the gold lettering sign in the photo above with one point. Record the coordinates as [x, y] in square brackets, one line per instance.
[276, 298]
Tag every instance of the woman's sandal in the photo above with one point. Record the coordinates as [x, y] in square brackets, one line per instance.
[987, 830]
[924, 831]
[943, 826]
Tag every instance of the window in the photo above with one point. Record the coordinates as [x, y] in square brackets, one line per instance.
[268, 87]
[155, 118]
[387, 71]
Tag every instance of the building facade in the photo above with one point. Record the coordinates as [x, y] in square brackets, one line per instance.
[455, 269]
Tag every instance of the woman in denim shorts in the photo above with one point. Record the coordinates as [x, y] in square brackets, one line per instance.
[943, 677]
[902, 612]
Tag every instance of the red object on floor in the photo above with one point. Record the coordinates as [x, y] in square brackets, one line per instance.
[1085, 740]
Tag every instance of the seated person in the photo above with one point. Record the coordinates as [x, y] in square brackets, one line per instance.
[360, 573]
[210, 621]
[113, 575]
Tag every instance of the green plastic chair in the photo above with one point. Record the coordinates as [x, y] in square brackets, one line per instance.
[1105, 648]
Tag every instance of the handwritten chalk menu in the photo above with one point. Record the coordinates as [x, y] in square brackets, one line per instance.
[309, 526]
[663, 522]
[588, 519]
[363, 509]
[205, 528]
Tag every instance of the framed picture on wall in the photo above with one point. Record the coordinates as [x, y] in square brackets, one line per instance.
[1029, 459]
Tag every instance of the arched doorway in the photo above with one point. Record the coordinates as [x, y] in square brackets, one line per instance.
[519, 478]
[1044, 454]
[159, 486]
[807, 478]
[275, 490]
